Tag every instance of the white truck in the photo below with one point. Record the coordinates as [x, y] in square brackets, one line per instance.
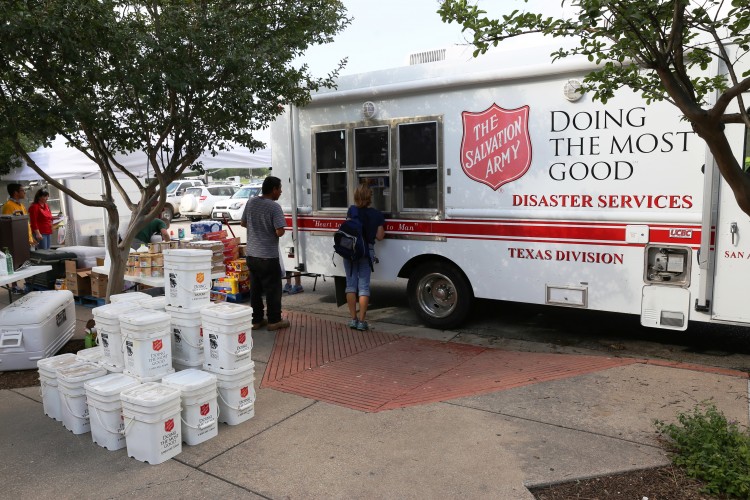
[501, 180]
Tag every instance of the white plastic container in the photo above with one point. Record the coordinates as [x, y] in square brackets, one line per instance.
[153, 429]
[92, 355]
[155, 303]
[236, 394]
[73, 406]
[107, 320]
[35, 327]
[128, 297]
[180, 365]
[105, 409]
[187, 277]
[227, 330]
[200, 411]
[48, 382]
[148, 347]
[187, 335]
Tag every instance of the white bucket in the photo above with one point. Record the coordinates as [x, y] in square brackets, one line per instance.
[227, 329]
[187, 277]
[128, 297]
[107, 319]
[153, 430]
[48, 382]
[187, 335]
[199, 406]
[236, 395]
[180, 365]
[73, 406]
[148, 347]
[155, 303]
[91, 355]
[105, 409]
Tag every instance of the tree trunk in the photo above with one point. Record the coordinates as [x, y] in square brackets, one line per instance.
[118, 254]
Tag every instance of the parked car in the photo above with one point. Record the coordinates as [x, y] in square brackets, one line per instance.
[198, 202]
[175, 192]
[231, 210]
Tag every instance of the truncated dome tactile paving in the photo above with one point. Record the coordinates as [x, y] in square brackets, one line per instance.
[374, 371]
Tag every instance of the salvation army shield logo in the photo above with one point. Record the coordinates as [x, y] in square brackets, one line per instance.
[169, 425]
[157, 345]
[205, 408]
[200, 277]
[244, 392]
[241, 338]
[496, 146]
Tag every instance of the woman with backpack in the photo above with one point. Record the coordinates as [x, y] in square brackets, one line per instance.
[358, 271]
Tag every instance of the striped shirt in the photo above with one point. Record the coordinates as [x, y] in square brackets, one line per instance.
[263, 217]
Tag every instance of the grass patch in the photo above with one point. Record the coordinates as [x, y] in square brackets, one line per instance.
[712, 449]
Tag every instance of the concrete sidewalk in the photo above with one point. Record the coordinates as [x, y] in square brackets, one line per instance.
[492, 445]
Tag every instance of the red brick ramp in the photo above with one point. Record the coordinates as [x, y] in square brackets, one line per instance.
[374, 371]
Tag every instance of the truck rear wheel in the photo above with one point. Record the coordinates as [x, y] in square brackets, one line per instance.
[440, 294]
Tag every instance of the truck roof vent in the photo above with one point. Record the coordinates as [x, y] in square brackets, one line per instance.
[427, 56]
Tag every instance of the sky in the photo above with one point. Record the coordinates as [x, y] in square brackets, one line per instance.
[383, 33]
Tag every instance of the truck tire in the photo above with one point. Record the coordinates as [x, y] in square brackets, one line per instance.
[168, 213]
[440, 294]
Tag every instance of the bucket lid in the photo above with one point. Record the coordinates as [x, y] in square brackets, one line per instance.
[128, 296]
[150, 394]
[110, 385]
[187, 253]
[227, 311]
[112, 311]
[190, 380]
[157, 303]
[91, 354]
[55, 362]
[149, 318]
[185, 312]
[80, 373]
[236, 374]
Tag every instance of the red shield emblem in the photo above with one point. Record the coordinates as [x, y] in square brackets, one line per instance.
[200, 277]
[205, 409]
[244, 392]
[496, 147]
[157, 345]
[169, 425]
[241, 338]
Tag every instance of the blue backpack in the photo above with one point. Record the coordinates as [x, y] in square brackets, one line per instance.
[349, 240]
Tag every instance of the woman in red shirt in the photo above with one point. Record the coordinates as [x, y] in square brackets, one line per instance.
[40, 218]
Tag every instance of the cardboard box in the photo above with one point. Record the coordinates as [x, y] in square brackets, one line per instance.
[99, 285]
[77, 281]
[99, 261]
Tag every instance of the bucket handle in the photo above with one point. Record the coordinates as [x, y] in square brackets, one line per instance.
[238, 408]
[127, 426]
[67, 404]
[248, 348]
[101, 422]
[184, 339]
[205, 425]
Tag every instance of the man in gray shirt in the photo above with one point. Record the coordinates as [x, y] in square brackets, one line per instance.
[265, 224]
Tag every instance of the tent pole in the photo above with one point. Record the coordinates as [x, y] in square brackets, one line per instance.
[293, 165]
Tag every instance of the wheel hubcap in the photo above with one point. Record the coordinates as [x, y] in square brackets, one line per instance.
[436, 294]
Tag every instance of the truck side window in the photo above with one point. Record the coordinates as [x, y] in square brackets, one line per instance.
[372, 163]
[330, 168]
[418, 170]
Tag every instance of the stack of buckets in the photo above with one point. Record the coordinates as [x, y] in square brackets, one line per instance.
[228, 343]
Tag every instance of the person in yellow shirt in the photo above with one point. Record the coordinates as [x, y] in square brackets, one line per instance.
[14, 205]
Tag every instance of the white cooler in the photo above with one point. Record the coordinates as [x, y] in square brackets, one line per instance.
[34, 327]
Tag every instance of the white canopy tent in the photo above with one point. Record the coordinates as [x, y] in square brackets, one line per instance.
[62, 162]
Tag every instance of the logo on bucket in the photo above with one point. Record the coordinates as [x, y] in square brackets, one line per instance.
[105, 340]
[169, 425]
[496, 146]
[244, 392]
[177, 336]
[129, 348]
[157, 345]
[241, 338]
[199, 277]
[205, 409]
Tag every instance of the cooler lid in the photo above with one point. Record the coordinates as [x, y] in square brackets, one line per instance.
[111, 384]
[112, 311]
[150, 394]
[145, 317]
[128, 296]
[189, 380]
[80, 373]
[227, 311]
[58, 361]
[33, 308]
